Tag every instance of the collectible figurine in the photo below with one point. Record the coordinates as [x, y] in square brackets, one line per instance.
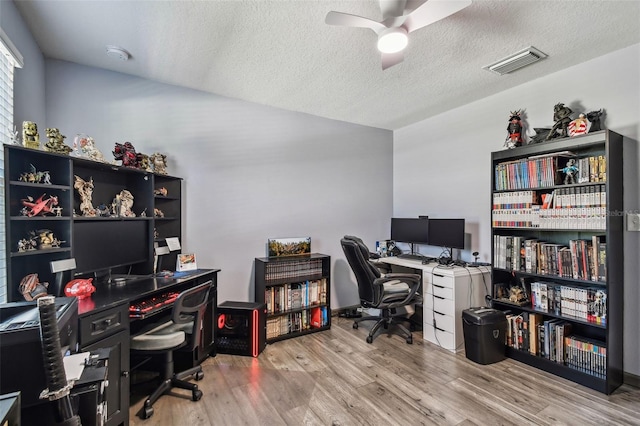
[158, 213]
[578, 126]
[85, 189]
[45, 239]
[570, 171]
[15, 135]
[514, 138]
[145, 163]
[87, 148]
[127, 154]
[595, 117]
[56, 142]
[38, 207]
[31, 288]
[30, 136]
[57, 211]
[34, 176]
[103, 211]
[561, 118]
[80, 288]
[161, 191]
[122, 204]
[159, 163]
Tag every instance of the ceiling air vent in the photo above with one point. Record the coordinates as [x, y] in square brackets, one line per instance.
[516, 61]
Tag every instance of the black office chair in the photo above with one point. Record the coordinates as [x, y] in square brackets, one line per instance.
[385, 268]
[384, 292]
[163, 339]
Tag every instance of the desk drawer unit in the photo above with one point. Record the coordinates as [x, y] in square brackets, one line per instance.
[99, 325]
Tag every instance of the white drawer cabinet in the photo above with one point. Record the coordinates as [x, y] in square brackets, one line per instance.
[446, 293]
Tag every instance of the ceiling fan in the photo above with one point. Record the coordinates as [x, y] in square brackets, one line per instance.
[400, 17]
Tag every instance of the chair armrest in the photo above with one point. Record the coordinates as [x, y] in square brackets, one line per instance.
[412, 280]
[373, 255]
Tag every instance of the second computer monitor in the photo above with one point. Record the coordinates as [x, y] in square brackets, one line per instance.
[446, 233]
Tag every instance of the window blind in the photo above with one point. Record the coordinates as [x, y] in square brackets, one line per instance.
[9, 59]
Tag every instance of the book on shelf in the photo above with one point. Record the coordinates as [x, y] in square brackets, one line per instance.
[290, 296]
[586, 355]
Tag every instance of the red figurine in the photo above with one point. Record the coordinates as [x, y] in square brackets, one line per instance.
[39, 206]
[514, 139]
[127, 154]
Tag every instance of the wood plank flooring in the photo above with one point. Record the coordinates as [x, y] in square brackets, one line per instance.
[335, 378]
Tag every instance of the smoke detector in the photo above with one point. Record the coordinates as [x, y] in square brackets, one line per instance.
[117, 53]
[516, 61]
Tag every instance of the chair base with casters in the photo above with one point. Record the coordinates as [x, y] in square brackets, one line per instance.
[182, 331]
[389, 322]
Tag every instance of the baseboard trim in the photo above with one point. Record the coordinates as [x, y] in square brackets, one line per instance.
[631, 379]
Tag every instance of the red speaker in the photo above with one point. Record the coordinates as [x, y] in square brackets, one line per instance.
[241, 328]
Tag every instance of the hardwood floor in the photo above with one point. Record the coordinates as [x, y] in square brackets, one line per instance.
[335, 378]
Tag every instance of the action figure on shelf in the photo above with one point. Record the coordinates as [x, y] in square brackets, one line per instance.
[30, 136]
[38, 207]
[122, 205]
[570, 171]
[578, 126]
[31, 288]
[161, 191]
[85, 190]
[56, 142]
[561, 118]
[158, 213]
[127, 154]
[514, 138]
[159, 163]
[34, 176]
[595, 118]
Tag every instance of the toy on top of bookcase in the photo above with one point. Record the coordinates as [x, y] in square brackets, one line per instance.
[159, 162]
[561, 118]
[56, 142]
[578, 126]
[514, 138]
[30, 135]
[595, 118]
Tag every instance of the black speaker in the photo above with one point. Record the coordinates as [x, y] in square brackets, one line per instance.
[241, 328]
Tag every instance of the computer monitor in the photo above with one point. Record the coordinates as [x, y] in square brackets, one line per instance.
[100, 245]
[410, 230]
[447, 233]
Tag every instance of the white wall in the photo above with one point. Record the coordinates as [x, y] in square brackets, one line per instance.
[442, 165]
[28, 81]
[251, 172]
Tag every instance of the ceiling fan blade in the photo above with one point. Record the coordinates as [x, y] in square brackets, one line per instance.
[348, 20]
[392, 8]
[433, 11]
[413, 5]
[391, 59]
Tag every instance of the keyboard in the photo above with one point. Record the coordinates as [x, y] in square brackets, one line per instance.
[409, 256]
[146, 307]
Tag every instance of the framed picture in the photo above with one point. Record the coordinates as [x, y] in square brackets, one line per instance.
[186, 262]
[288, 246]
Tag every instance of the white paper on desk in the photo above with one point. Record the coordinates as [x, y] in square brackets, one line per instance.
[173, 243]
[74, 365]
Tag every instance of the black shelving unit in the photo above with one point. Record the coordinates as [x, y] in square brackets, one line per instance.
[109, 180]
[512, 177]
[296, 291]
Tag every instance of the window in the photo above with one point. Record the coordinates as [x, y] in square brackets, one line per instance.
[9, 59]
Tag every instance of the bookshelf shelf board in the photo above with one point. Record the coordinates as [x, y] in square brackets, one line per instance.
[544, 277]
[40, 252]
[547, 314]
[39, 218]
[42, 186]
[550, 188]
[167, 198]
[109, 219]
[530, 228]
[560, 370]
[292, 280]
[165, 218]
[297, 333]
[294, 310]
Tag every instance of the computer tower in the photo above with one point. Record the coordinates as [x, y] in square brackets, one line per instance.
[241, 328]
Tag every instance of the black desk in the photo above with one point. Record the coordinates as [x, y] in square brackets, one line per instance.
[104, 323]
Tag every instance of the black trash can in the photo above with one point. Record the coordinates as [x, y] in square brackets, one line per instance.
[484, 334]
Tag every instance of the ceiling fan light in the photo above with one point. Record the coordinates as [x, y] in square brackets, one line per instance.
[392, 40]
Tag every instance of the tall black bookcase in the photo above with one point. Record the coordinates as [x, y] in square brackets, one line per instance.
[296, 291]
[558, 256]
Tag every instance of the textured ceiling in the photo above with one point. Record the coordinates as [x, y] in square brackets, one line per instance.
[281, 53]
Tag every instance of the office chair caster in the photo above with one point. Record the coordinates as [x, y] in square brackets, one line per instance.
[199, 376]
[147, 412]
[196, 395]
[369, 339]
[355, 325]
[410, 340]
